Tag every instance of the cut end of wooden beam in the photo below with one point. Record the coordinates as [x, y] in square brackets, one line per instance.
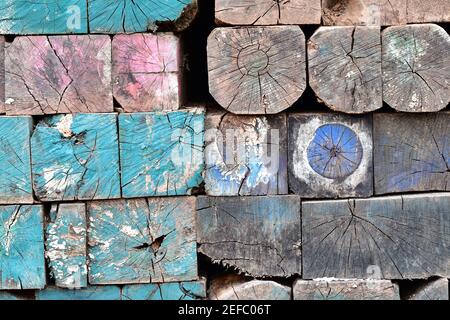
[434, 289]
[191, 290]
[2, 75]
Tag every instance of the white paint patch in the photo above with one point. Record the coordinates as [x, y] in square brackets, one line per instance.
[129, 231]
[64, 126]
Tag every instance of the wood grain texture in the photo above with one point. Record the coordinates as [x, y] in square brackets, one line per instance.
[268, 12]
[142, 241]
[65, 245]
[435, 289]
[22, 262]
[123, 16]
[2, 75]
[428, 11]
[21, 17]
[400, 237]
[58, 74]
[161, 153]
[411, 152]
[15, 162]
[345, 290]
[416, 68]
[257, 70]
[259, 236]
[193, 290]
[345, 68]
[234, 288]
[245, 155]
[330, 155]
[146, 72]
[76, 157]
[89, 293]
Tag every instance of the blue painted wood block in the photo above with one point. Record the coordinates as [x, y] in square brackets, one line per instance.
[193, 290]
[15, 163]
[43, 16]
[76, 157]
[119, 16]
[161, 154]
[22, 262]
[142, 240]
[89, 293]
[66, 245]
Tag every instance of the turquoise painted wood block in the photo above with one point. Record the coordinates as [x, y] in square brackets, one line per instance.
[43, 16]
[161, 154]
[76, 157]
[89, 293]
[142, 241]
[66, 245]
[15, 295]
[22, 262]
[124, 16]
[15, 163]
[193, 290]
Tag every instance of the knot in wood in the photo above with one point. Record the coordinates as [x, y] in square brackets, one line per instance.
[335, 151]
[252, 60]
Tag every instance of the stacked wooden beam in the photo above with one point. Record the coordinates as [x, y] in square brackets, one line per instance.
[112, 185]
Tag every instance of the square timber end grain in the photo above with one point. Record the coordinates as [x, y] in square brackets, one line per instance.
[161, 153]
[15, 160]
[58, 74]
[2, 75]
[330, 155]
[245, 155]
[90, 293]
[259, 236]
[22, 17]
[192, 290]
[398, 237]
[22, 261]
[145, 72]
[142, 241]
[76, 157]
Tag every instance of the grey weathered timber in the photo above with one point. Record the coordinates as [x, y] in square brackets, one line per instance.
[416, 67]
[2, 74]
[345, 68]
[245, 155]
[257, 70]
[399, 237]
[336, 289]
[259, 236]
[268, 12]
[435, 289]
[65, 245]
[411, 152]
[330, 155]
[231, 287]
[419, 11]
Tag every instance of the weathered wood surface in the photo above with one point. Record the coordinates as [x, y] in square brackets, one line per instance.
[345, 68]
[411, 152]
[43, 17]
[22, 262]
[123, 16]
[436, 289]
[245, 155]
[345, 290]
[16, 295]
[384, 12]
[15, 162]
[2, 75]
[416, 68]
[145, 72]
[58, 74]
[193, 290]
[330, 155]
[259, 236]
[401, 237]
[257, 70]
[268, 12]
[161, 153]
[65, 245]
[237, 288]
[89, 293]
[76, 157]
[142, 241]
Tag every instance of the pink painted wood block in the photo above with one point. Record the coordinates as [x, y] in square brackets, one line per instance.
[146, 72]
[58, 74]
[2, 74]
